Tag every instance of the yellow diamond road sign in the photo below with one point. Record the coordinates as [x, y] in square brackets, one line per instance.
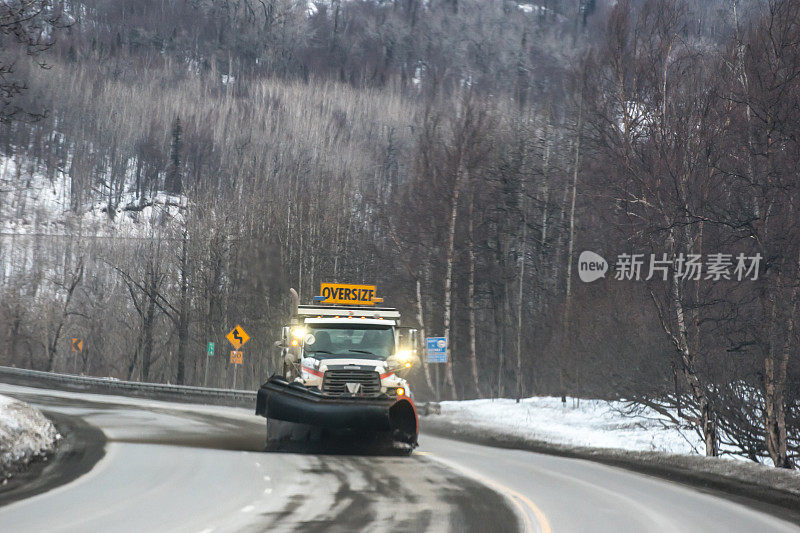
[238, 337]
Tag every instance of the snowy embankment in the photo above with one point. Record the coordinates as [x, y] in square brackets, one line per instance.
[585, 423]
[25, 435]
[34, 203]
[609, 432]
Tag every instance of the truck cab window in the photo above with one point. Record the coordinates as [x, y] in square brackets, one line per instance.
[351, 340]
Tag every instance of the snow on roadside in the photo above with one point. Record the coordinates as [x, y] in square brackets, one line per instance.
[25, 434]
[591, 423]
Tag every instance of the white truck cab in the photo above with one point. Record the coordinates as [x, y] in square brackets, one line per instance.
[349, 350]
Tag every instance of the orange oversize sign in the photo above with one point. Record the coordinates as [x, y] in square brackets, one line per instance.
[236, 357]
[339, 293]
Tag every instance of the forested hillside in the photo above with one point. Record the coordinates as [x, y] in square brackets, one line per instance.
[177, 165]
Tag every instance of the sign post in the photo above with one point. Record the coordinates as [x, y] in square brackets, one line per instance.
[237, 337]
[209, 355]
[77, 346]
[237, 358]
[436, 351]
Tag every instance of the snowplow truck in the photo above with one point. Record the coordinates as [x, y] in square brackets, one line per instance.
[344, 376]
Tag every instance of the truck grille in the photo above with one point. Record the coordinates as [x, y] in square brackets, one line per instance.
[335, 382]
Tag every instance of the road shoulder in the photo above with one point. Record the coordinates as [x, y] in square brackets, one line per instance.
[82, 446]
[772, 491]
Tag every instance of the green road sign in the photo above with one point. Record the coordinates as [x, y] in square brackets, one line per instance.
[210, 349]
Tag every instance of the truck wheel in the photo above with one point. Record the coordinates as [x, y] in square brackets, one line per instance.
[404, 452]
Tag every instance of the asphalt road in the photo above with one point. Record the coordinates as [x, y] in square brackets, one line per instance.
[176, 467]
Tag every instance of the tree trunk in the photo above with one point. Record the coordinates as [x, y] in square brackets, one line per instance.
[134, 359]
[147, 326]
[448, 283]
[775, 380]
[707, 423]
[473, 357]
[501, 321]
[422, 333]
[52, 347]
[570, 250]
[183, 312]
[520, 392]
[544, 199]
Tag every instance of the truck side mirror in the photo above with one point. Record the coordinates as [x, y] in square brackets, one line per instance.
[283, 344]
[408, 338]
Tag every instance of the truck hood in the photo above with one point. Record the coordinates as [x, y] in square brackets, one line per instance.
[364, 364]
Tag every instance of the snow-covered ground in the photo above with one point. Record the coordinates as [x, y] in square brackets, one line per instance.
[33, 203]
[589, 423]
[25, 434]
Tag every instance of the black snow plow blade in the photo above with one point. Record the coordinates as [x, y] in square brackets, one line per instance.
[281, 400]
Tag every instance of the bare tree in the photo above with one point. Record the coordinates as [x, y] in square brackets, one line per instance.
[30, 25]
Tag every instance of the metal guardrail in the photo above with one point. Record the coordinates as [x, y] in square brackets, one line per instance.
[182, 393]
[156, 391]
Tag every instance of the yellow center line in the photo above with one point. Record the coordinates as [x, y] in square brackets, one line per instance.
[520, 501]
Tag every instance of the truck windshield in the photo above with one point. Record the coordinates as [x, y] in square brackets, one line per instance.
[346, 340]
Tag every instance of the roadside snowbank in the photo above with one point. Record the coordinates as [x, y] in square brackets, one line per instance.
[599, 431]
[25, 434]
[589, 423]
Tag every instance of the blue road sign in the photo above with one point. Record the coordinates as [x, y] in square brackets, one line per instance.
[436, 349]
